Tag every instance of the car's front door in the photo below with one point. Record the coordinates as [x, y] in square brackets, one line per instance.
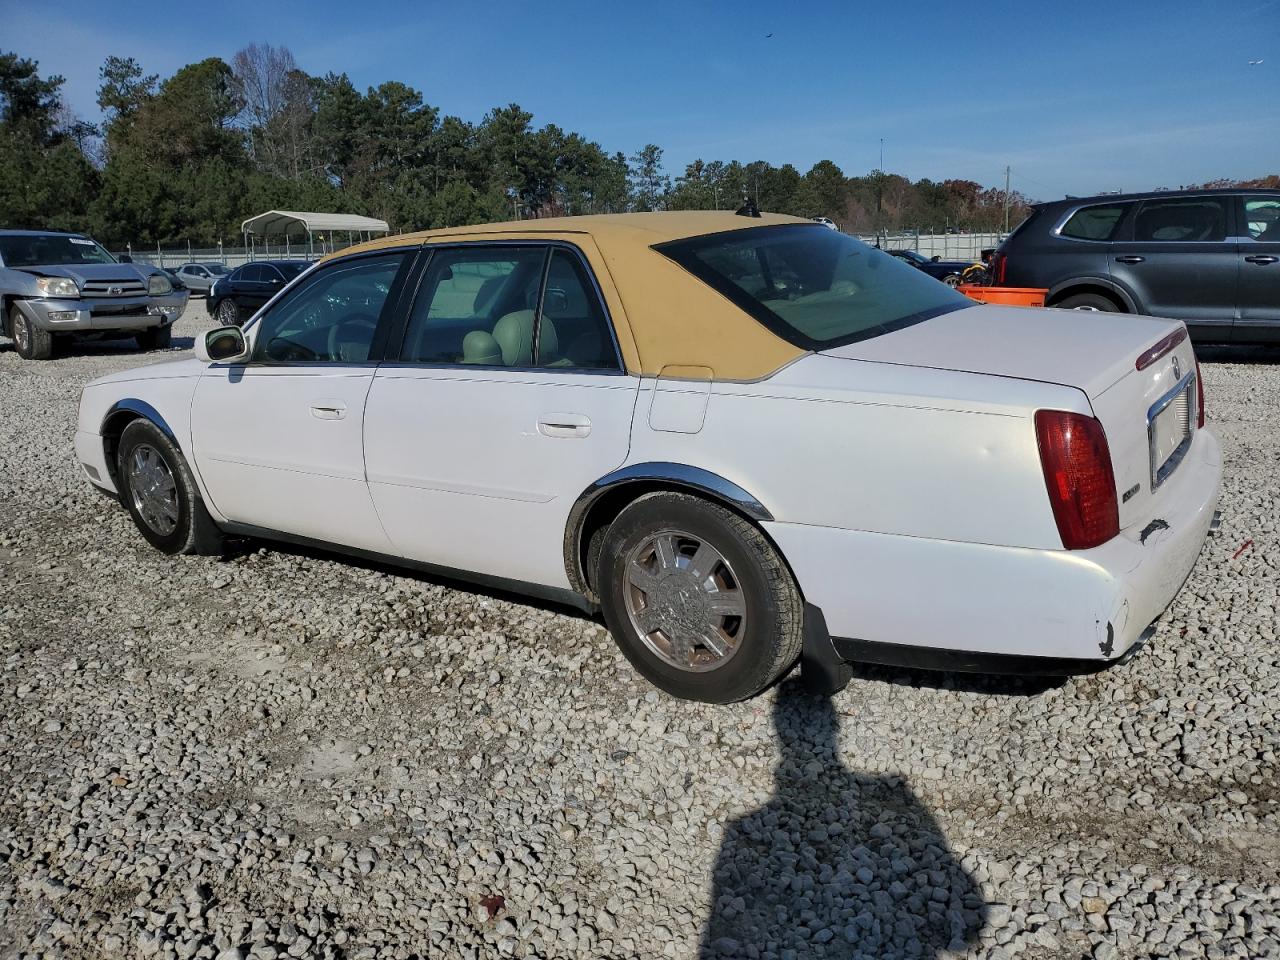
[1259, 253]
[1174, 257]
[278, 440]
[258, 288]
[508, 400]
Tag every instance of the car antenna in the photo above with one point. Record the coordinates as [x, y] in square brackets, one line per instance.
[748, 209]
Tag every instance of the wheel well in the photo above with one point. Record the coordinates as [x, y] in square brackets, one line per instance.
[605, 509]
[111, 432]
[1089, 288]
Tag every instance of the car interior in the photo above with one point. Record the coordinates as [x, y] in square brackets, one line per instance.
[484, 312]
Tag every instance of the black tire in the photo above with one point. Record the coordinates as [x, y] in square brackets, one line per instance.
[1089, 301]
[155, 338]
[193, 529]
[227, 312]
[769, 640]
[29, 341]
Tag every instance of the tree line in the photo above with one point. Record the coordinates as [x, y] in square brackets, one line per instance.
[188, 157]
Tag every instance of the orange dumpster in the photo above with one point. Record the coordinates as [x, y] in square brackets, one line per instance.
[1006, 296]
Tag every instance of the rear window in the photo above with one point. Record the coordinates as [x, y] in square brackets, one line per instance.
[813, 286]
[1094, 223]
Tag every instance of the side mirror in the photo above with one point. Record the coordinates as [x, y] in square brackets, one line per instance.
[223, 345]
[125, 258]
[936, 258]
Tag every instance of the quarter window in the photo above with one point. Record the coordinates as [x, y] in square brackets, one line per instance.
[331, 317]
[1262, 218]
[1094, 223]
[1182, 220]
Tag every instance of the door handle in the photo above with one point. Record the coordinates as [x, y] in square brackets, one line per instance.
[564, 425]
[328, 410]
[1262, 259]
[1130, 258]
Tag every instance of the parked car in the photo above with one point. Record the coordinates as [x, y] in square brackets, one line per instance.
[736, 436]
[239, 295]
[826, 222]
[1210, 258]
[64, 285]
[948, 271]
[199, 277]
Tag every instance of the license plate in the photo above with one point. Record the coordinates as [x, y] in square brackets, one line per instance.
[1169, 425]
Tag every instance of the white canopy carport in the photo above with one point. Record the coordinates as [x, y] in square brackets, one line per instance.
[287, 222]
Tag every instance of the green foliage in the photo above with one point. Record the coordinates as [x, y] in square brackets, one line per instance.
[188, 158]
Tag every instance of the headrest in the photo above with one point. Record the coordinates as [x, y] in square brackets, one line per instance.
[514, 333]
[481, 348]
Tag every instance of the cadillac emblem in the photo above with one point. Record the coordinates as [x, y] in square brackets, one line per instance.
[1177, 369]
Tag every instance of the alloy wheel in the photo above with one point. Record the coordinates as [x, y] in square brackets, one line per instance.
[21, 335]
[684, 601]
[153, 489]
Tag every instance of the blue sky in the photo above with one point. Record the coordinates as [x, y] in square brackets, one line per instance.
[1077, 97]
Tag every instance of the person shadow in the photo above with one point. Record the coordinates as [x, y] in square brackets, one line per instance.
[837, 864]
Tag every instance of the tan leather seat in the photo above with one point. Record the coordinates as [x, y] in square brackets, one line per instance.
[479, 347]
[514, 335]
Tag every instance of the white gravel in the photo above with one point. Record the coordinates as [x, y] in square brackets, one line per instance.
[286, 755]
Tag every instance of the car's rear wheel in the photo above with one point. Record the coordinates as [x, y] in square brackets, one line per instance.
[1088, 301]
[160, 494]
[697, 598]
[155, 338]
[952, 280]
[228, 313]
[30, 342]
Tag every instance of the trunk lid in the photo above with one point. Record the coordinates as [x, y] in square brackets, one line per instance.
[1094, 352]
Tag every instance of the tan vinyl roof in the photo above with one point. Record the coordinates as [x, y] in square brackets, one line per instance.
[665, 318]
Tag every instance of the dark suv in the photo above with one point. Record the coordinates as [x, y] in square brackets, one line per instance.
[1208, 257]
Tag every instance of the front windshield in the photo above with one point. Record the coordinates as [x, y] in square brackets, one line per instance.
[813, 286]
[911, 255]
[291, 270]
[50, 249]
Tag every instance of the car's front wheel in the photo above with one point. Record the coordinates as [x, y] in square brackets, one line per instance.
[228, 313]
[30, 341]
[160, 494]
[698, 599]
[155, 338]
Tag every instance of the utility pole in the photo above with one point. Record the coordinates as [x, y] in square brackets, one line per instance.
[880, 193]
[1006, 199]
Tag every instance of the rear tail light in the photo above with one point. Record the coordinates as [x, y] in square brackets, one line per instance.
[1078, 475]
[1160, 348]
[999, 269]
[1199, 396]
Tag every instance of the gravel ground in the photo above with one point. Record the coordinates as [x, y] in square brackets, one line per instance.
[287, 755]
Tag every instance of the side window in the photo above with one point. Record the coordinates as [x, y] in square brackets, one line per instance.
[476, 305]
[332, 316]
[250, 273]
[1181, 220]
[1094, 223]
[1262, 218]
[574, 331]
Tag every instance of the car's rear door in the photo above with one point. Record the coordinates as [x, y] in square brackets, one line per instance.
[507, 400]
[279, 440]
[1175, 259]
[1258, 249]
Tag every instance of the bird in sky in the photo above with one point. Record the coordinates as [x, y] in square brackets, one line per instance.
[1252, 63]
[768, 35]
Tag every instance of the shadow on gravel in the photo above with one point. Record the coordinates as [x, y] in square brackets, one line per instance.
[838, 864]
[1004, 685]
[241, 547]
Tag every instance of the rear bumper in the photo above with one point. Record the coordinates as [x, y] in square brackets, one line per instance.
[964, 606]
[88, 316]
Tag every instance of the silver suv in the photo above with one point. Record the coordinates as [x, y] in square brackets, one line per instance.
[66, 285]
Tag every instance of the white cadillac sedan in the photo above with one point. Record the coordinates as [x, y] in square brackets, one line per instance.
[738, 437]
